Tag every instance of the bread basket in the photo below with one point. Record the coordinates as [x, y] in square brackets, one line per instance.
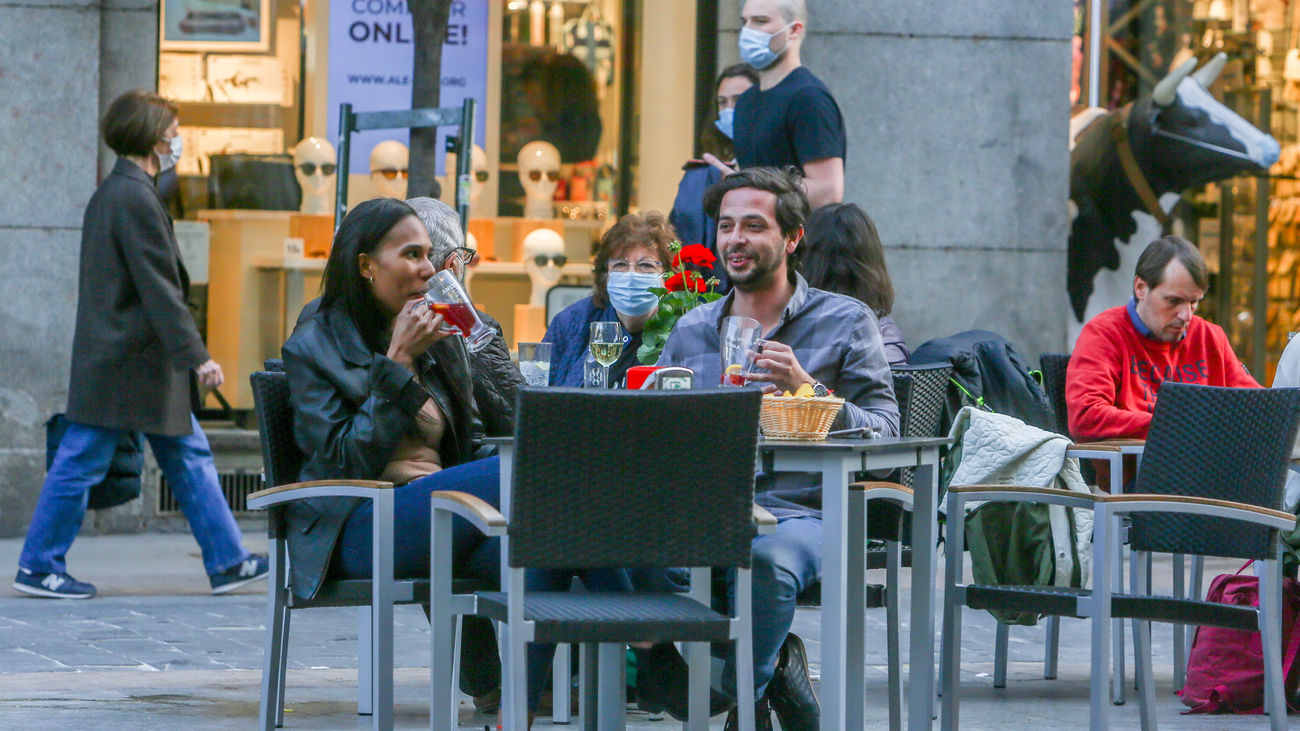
[804, 418]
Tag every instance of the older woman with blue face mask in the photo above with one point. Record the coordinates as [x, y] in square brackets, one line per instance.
[632, 258]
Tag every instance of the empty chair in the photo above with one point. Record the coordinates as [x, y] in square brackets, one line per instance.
[597, 481]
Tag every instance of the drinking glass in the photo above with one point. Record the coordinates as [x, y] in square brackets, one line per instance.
[606, 346]
[447, 297]
[535, 363]
[738, 343]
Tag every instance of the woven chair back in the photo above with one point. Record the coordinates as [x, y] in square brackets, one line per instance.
[610, 479]
[921, 415]
[281, 459]
[1053, 366]
[1221, 443]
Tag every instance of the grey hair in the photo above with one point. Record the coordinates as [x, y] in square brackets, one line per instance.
[443, 224]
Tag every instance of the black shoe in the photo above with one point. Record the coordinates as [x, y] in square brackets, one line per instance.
[791, 691]
[253, 568]
[762, 717]
[662, 680]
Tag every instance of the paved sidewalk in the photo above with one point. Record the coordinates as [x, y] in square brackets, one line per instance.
[156, 651]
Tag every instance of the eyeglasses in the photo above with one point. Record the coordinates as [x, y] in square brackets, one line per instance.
[309, 168]
[541, 260]
[536, 175]
[645, 266]
[481, 176]
[390, 173]
[463, 254]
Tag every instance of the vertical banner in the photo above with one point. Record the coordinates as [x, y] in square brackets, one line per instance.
[371, 52]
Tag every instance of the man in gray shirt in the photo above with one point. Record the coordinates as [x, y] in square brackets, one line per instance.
[812, 337]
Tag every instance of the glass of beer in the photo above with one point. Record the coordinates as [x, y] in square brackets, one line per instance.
[738, 347]
[447, 297]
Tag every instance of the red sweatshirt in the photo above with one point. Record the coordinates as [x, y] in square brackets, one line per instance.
[1116, 371]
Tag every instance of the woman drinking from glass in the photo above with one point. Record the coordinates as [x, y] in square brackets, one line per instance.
[632, 258]
[381, 390]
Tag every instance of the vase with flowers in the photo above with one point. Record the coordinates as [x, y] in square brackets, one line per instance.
[684, 289]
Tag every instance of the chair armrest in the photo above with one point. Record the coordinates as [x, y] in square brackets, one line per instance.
[279, 494]
[765, 521]
[1140, 503]
[891, 491]
[487, 519]
[1020, 493]
[1123, 446]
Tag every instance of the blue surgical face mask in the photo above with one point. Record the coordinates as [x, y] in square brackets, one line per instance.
[629, 292]
[726, 122]
[756, 47]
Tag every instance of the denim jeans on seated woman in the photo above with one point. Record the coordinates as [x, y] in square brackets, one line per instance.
[473, 555]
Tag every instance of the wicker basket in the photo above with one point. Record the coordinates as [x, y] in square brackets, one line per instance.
[798, 417]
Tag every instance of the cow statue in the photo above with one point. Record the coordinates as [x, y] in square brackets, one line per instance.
[1127, 168]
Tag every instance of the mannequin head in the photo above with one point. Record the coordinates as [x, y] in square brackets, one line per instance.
[544, 260]
[388, 165]
[478, 178]
[539, 174]
[314, 165]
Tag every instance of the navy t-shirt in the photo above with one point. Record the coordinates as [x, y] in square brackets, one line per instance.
[792, 123]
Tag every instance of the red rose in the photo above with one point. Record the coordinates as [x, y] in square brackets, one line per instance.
[687, 281]
[695, 254]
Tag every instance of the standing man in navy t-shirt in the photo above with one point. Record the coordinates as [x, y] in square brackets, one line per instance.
[789, 117]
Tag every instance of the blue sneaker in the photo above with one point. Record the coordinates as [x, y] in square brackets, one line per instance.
[52, 586]
[241, 574]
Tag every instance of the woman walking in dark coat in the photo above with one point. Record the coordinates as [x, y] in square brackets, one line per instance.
[132, 355]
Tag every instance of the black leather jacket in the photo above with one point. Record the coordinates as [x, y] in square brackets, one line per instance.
[351, 407]
[496, 383]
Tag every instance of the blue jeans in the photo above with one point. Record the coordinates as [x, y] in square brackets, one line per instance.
[82, 461]
[784, 563]
[473, 555]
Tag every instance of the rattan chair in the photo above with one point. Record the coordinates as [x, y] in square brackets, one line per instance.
[374, 598]
[608, 480]
[1206, 445]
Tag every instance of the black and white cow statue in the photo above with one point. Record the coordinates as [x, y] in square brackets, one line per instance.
[1178, 138]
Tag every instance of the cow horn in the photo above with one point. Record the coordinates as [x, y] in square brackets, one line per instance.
[1167, 89]
[1210, 71]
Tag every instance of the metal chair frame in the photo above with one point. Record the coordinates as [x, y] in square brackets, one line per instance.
[461, 117]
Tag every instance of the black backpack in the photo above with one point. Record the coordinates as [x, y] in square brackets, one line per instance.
[987, 373]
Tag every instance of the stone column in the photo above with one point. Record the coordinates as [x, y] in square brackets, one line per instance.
[59, 62]
[957, 118]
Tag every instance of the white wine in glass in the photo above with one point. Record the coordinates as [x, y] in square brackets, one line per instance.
[606, 346]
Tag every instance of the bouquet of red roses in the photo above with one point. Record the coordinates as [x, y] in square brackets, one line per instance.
[684, 289]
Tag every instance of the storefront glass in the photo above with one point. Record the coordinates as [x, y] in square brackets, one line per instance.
[1243, 224]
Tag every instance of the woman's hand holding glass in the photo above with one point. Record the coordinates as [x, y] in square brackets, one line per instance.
[415, 329]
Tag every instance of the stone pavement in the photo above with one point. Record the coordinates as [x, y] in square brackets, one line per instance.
[155, 651]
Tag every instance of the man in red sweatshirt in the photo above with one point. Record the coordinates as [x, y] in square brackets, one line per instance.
[1125, 353]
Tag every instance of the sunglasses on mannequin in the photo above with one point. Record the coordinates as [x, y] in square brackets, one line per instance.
[536, 175]
[482, 176]
[392, 174]
[542, 260]
[309, 168]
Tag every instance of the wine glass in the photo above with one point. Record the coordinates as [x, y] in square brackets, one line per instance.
[606, 346]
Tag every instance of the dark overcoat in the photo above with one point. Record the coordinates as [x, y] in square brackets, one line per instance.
[136, 342]
[351, 408]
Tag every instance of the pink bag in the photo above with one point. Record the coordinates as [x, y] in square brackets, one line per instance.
[1225, 668]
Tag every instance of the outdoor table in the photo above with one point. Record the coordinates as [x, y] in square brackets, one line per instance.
[843, 647]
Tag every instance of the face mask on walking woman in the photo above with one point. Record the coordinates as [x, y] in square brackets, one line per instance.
[629, 292]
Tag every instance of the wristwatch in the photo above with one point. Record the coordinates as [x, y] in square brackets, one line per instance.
[820, 390]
